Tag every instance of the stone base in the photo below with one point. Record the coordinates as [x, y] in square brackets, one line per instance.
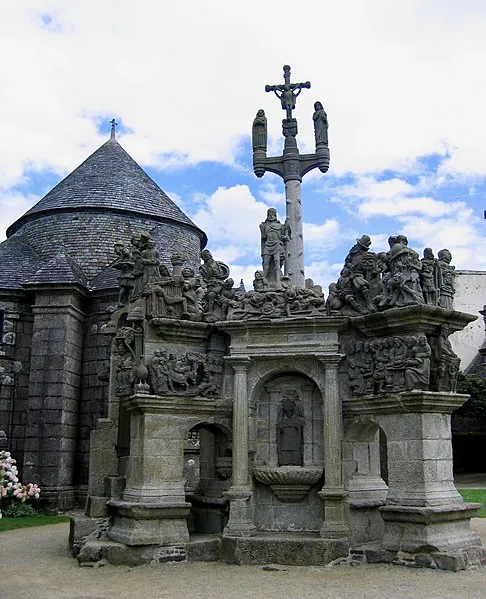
[200, 548]
[452, 561]
[148, 523]
[429, 529]
[80, 527]
[96, 507]
[291, 549]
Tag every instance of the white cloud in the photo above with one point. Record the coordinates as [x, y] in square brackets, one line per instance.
[13, 205]
[394, 89]
[231, 216]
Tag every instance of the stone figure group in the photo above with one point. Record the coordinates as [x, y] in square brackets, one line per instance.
[179, 374]
[389, 364]
[286, 302]
[402, 363]
[371, 282]
[180, 294]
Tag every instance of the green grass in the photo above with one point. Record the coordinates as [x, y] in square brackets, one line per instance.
[26, 521]
[475, 496]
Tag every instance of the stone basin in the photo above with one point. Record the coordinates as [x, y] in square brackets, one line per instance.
[288, 483]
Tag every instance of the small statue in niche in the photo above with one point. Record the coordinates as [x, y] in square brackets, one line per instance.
[446, 275]
[320, 124]
[274, 236]
[259, 131]
[290, 431]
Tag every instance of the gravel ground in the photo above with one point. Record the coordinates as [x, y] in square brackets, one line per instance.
[35, 564]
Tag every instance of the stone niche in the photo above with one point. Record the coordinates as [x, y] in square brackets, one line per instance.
[289, 459]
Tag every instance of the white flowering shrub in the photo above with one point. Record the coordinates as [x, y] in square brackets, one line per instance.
[12, 491]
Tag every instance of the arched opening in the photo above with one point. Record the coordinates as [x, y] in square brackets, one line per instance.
[207, 476]
[365, 463]
[365, 477]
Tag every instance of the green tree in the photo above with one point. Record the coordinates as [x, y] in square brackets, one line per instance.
[474, 386]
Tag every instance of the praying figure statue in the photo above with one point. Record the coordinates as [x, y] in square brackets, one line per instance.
[259, 131]
[320, 124]
[274, 236]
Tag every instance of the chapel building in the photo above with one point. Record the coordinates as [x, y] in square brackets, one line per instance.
[56, 284]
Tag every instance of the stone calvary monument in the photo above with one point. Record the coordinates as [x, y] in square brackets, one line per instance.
[275, 425]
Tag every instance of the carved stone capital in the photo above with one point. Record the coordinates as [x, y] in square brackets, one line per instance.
[330, 361]
[238, 363]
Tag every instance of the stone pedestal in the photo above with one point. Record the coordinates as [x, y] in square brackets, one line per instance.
[153, 509]
[424, 514]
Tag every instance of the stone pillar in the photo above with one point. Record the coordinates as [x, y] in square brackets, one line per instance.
[53, 394]
[294, 266]
[153, 509]
[332, 493]
[424, 512]
[240, 523]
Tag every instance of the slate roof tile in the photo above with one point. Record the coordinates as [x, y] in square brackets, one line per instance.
[59, 269]
[18, 262]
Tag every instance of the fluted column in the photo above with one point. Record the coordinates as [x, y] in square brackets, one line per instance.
[332, 493]
[240, 523]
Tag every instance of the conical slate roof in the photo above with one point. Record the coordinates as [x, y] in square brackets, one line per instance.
[108, 180]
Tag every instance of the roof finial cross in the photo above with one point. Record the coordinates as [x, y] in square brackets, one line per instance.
[288, 92]
[113, 125]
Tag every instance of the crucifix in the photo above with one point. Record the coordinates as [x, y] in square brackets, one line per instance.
[291, 166]
[288, 92]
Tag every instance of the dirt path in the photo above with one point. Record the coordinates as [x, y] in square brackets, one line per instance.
[35, 564]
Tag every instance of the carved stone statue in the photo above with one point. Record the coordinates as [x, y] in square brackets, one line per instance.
[124, 264]
[446, 275]
[290, 432]
[417, 371]
[259, 131]
[320, 124]
[273, 238]
[428, 277]
[214, 273]
[405, 267]
[150, 262]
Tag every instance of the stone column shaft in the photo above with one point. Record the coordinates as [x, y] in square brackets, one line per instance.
[294, 266]
[240, 523]
[333, 492]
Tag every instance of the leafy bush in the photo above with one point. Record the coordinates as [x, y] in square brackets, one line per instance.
[474, 386]
[18, 510]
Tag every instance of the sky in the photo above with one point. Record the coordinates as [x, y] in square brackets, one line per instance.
[402, 83]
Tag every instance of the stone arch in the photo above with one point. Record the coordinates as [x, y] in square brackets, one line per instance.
[306, 367]
[365, 462]
[208, 475]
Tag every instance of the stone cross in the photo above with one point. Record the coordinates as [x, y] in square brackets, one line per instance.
[113, 125]
[291, 166]
[288, 92]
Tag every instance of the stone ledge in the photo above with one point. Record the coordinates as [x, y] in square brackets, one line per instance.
[287, 549]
